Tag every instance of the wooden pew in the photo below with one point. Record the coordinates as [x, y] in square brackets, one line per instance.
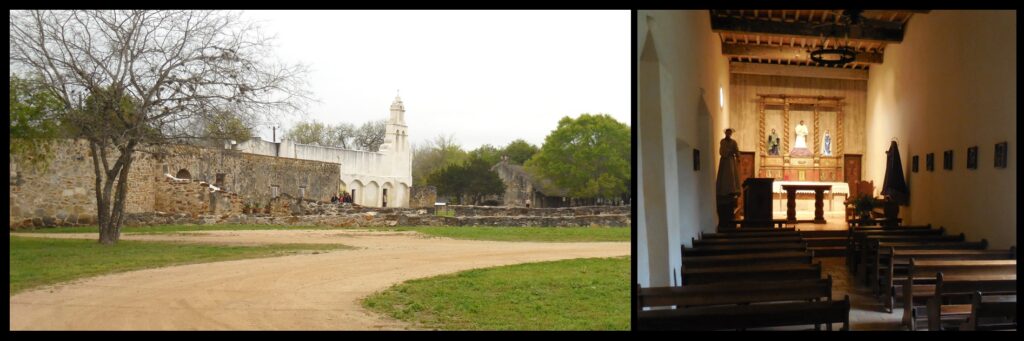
[856, 239]
[869, 258]
[751, 273]
[992, 312]
[757, 230]
[952, 289]
[748, 316]
[757, 240]
[922, 275]
[736, 293]
[781, 257]
[742, 248]
[894, 272]
[709, 236]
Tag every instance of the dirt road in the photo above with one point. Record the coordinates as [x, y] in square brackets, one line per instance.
[301, 292]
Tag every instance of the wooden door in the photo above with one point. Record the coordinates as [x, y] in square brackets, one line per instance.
[746, 171]
[851, 170]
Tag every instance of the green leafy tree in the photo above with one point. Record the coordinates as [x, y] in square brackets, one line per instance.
[434, 155]
[472, 178]
[519, 151]
[589, 157]
[308, 133]
[487, 153]
[33, 112]
[225, 125]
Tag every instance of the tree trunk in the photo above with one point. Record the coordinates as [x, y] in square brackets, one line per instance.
[110, 214]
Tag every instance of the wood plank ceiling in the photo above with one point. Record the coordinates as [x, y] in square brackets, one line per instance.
[786, 37]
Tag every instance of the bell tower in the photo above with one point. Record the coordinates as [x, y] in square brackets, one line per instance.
[395, 134]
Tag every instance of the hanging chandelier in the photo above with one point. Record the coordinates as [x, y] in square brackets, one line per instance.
[839, 55]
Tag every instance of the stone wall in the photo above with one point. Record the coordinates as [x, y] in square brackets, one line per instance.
[64, 192]
[505, 211]
[423, 197]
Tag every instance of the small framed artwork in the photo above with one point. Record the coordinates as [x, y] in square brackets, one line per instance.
[972, 157]
[913, 163]
[947, 160]
[1001, 155]
[929, 162]
[696, 160]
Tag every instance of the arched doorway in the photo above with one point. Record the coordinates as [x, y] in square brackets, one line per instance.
[402, 195]
[388, 196]
[357, 192]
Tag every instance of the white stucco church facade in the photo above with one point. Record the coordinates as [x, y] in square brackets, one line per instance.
[375, 179]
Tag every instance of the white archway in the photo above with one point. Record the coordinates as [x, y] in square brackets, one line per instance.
[371, 194]
[357, 197]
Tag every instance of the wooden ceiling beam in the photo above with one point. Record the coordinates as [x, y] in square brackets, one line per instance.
[787, 52]
[873, 30]
[797, 71]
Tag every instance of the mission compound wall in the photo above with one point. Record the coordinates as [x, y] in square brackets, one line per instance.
[64, 193]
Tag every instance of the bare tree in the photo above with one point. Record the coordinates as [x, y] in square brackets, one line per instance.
[370, 135]
[132, 80]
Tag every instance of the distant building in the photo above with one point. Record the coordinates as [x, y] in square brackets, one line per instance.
[520, 186]
[375, 179]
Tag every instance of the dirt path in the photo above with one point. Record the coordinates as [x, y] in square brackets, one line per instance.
[301, 292]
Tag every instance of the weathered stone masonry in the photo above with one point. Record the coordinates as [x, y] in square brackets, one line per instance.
[64, 194]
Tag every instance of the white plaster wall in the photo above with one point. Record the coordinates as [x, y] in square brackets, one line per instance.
[687, 67]
[950, 84]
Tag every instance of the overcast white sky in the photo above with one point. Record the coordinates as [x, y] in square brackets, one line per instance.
[488, 77]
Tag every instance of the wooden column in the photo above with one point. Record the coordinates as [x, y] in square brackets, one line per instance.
[817, 133]
[785, 123]
[839, 134]
[761, 135]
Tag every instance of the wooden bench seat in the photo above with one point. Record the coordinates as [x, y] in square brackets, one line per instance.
[857, 240]
[992, 312]
[708, 236]
[748, 273]
[758, 240]
[950, 278]
[869, 263]
[736, 293]
[757, 230]
[893, 273]
[748, 316]
[794, 257]
[743, 248]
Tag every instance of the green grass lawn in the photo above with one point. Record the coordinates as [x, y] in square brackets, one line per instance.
[41, 261]
[577, 294]
[539, 234]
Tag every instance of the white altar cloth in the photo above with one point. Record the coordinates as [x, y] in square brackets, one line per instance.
[837, 187]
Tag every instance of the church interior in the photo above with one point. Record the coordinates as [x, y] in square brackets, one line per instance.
[826, 170]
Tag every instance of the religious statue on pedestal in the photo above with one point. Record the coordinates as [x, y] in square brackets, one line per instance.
[800, 147]
[728, 182]
[773, 143]
[826, 148]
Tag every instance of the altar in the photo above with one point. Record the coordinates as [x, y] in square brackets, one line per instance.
[832, 201]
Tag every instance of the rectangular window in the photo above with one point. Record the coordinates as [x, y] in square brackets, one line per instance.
[274, 191]
[302, 192]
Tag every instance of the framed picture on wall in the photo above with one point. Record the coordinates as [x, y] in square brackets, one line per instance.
[929, 162]
[913, 163]
[972, 157]
[947, 160]
[1001, 155]
[696, 160]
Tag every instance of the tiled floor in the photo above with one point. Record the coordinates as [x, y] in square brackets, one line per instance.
[866, 311]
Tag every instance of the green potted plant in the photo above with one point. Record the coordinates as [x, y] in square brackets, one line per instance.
[863, 206]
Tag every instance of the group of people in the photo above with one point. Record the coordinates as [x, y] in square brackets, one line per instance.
[343, 199]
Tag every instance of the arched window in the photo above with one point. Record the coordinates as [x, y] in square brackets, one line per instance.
[183, 174]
